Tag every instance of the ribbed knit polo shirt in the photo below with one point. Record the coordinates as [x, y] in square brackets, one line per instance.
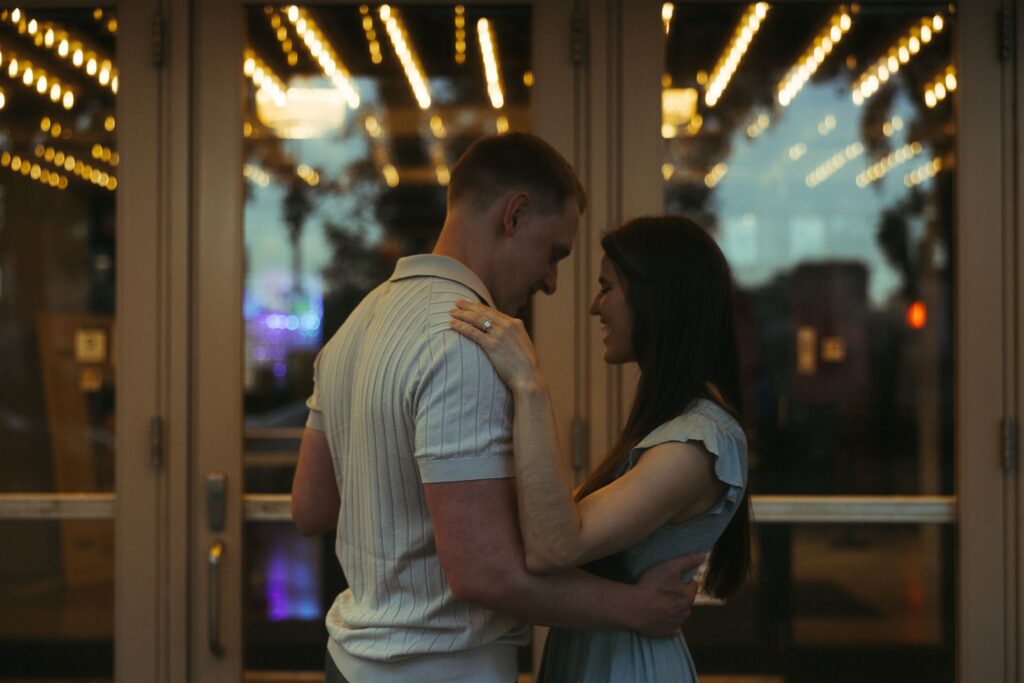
[405, 401]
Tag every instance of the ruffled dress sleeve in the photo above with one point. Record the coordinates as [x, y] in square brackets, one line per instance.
[720, 434]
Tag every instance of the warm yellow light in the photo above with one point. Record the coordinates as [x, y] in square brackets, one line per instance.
[77, 57]
[444, 176]
[55, 92]
[729, 61]
[667, 10]
[41, 84]
[68, 100]
[390, 175]
[901, 53]
[815, 54]
[490, 57]
[109, 123]
[63, 47]
[501, 124]
[323, 54]
[437, 127]
[410, 63]
[715, 175]
[26, 77]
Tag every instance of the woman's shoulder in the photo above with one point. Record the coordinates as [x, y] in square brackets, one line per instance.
[714, 429]
[703, 420]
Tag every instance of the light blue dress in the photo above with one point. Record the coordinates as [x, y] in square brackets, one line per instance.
[621, 656]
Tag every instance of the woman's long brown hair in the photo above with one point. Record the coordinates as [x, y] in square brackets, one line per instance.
[679, 290]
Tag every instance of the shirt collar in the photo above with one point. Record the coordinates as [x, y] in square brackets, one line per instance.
[432, 265]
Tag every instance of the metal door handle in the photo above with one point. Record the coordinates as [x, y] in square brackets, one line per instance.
[213, 597]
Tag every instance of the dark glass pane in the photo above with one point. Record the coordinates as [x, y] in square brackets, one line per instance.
[58, 180]
[56, 600]
[338, 188]
[817, 143]
[832, 604]
[58, 168]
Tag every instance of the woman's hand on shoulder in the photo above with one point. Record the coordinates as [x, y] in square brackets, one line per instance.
[504, 340]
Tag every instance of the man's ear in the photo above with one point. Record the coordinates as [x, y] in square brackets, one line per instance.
[516, 206]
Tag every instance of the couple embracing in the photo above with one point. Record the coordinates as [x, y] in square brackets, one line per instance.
[431, 446]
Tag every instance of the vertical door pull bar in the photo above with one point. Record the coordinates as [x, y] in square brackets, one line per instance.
[213, 598]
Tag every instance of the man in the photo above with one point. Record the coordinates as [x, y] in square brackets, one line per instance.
[408, 449]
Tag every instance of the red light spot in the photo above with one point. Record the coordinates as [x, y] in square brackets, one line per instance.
[917, 315]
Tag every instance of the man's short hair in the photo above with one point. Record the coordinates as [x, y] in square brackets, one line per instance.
[496, 164]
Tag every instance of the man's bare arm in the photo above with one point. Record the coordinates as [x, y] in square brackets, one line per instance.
[315, 500]
[478, 543]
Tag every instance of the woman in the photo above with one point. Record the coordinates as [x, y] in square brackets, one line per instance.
[675, 480]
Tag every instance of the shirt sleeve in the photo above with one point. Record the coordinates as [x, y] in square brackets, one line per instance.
[463, 414]
[316, 417]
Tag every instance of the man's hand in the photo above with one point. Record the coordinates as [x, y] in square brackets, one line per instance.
[666, 599]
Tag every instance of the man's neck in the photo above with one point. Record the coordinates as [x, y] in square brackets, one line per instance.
[461, 243]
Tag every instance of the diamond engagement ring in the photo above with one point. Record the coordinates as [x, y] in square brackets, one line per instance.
[487, 326]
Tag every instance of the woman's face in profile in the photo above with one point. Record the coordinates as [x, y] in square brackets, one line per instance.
[612, 309]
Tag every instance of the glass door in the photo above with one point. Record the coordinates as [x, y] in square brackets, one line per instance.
[835, 153]
[80, 311]
[325, 138]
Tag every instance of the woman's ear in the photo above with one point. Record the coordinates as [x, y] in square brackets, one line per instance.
[516, 206]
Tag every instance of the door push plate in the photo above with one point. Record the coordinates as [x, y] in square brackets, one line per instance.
[216, 500]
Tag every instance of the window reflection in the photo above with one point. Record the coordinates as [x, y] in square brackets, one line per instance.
[353, 117]
[816, 142]
[813, 141]
[58, 179]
